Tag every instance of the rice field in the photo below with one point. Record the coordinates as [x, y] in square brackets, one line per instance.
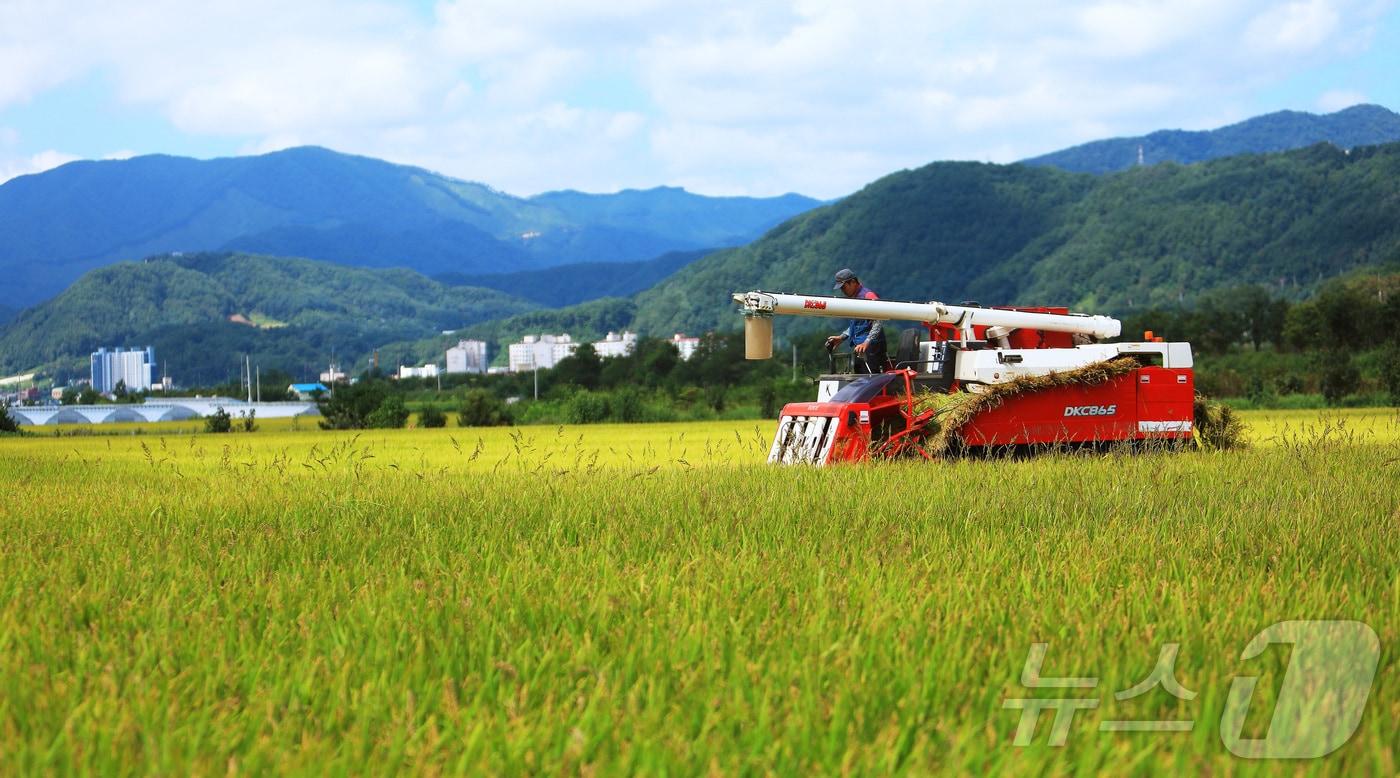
[651, 598]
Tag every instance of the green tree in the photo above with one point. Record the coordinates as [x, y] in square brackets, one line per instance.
[350, 405]
[218, 421]
[392, 413]
[585, 407]
[432, 417]
[582, 368]
[249, 421]
[480, 408]
[69, 397]
[1390, 372]
[89, 396]
[627, 405]
[1262, 315]
[657, 360]
[768, 400]
[1339, 379]
[8, 423]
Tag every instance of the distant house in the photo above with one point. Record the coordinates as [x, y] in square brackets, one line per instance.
[426, 371]
[307, 391]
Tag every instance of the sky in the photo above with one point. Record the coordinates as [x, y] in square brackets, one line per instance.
[722, 98]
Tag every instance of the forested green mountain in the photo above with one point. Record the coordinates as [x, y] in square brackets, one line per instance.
[1017, 234]
[570, 284]
[312, 202]
[202, 312]
[1360, 125]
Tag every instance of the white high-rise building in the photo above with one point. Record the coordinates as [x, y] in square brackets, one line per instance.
[615, 345]
[468, 356]
[686, 346]
[542, 351]
[132, 367]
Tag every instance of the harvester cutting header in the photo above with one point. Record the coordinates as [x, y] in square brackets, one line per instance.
[977, 378]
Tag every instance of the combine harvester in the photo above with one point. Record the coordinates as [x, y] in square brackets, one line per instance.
[982, 379]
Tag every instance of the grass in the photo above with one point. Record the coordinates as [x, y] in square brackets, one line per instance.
[649, 599]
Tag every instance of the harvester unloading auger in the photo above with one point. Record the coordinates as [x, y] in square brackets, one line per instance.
[978, 378]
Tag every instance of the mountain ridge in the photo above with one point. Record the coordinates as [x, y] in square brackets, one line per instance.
[1359, 125]
[322, 204]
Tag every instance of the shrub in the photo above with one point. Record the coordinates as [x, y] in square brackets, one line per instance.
[218, 421]
[250, 423]
[628, 405]
[768, 400]
[715, 396]
[431, 417]
[480, 408]
[1289, 384]
[1339, 379]
[391, 414]
[539, 412]
[586, 407]
[350, 405]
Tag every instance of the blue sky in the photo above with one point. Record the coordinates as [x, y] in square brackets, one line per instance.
[719, 97]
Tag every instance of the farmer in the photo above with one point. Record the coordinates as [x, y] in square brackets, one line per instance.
[867, 336]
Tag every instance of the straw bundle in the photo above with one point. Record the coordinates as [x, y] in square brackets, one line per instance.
[1217, 426]
[953, 411]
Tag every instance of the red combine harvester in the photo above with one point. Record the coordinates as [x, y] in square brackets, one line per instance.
[980, 378]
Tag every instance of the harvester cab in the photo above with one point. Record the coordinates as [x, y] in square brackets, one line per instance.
[978, 378]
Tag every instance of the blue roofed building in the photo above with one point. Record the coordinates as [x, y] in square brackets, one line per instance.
[308, 391]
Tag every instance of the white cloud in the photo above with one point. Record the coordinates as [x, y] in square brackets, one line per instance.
[16, 166]
[1338, 99]
[1292, 28]
[726, 96]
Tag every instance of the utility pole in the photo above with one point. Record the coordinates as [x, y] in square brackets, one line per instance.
[248, 375]
[537, 383]
[794, 363]
[259, 383]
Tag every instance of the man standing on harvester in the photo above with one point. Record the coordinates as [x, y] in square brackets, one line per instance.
[867, 336]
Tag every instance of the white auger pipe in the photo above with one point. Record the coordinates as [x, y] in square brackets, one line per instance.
[764, 304]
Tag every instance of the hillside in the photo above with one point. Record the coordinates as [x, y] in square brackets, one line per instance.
[1360, 125]
[306, 310]
[316, 203]
[570, 284]
[1034, 235]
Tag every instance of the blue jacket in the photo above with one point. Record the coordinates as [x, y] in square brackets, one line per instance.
[861, 330]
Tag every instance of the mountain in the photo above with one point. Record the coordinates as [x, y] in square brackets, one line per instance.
[1360, 125]
[203, 311]
[1017, 234]
[316, 203]
[580, 282]
[705, 221]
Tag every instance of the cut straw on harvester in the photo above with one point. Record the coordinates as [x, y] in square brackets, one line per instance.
[953, 411]
[1217, 426]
